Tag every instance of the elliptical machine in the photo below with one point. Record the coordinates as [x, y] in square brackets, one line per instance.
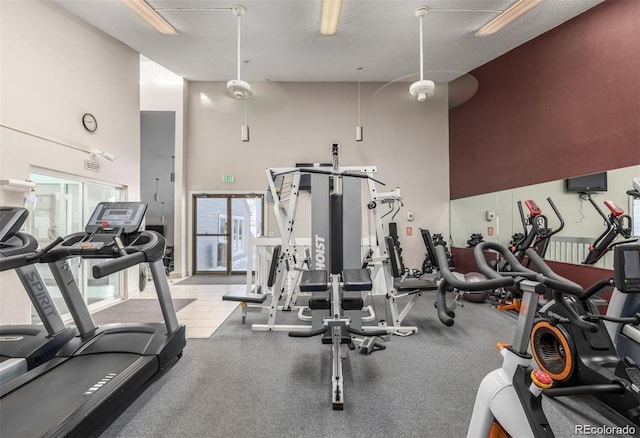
[572, 345]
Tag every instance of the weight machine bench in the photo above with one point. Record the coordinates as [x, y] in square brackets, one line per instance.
[336, 309]
[256, 296]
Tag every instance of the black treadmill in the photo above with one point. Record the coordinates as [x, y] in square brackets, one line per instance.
[103, 369]
[24, 347]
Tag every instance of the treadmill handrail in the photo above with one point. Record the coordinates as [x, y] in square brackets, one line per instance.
[22, 246]
[153, 248]
[118, 264]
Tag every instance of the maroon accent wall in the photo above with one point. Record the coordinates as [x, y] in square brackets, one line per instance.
[564, 104]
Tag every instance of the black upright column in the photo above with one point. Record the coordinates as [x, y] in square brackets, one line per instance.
[335, 213]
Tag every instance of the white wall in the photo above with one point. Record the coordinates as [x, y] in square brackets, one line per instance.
[54, 68]
[297, 122]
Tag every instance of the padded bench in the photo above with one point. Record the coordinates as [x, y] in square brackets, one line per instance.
[356, 280]
[414, 284]
[244, 297]
[314, 281]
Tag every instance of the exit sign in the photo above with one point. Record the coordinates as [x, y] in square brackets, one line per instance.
[227, 178]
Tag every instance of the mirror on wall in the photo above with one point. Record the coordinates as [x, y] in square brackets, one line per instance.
[496, 215]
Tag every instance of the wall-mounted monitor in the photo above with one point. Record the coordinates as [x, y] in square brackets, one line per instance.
[596, 182]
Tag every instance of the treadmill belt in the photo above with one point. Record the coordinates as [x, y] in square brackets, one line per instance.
[35, 408]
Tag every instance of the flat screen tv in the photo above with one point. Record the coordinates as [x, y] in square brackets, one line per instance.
[596, 182]
[305, 178]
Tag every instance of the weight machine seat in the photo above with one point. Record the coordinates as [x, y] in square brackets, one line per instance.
[319, 304]
[417, 284]
[314, 281]
[244, 297]
[356, 280]
[352, 303]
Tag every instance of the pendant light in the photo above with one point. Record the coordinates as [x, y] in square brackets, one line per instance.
[359, 129]
[245, 127]
[156, 195]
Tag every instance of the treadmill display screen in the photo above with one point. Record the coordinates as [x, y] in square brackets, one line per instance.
[127, 215]
[117, 215]
[627, 268]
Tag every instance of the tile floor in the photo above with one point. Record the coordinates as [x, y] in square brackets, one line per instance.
[204, 315]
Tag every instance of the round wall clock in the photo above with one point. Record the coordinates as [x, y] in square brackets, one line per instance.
[89, 122]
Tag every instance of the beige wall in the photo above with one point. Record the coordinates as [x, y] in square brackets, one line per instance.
[297, 122]
[54, 68]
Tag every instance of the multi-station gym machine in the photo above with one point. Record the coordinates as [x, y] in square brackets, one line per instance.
[337, 205]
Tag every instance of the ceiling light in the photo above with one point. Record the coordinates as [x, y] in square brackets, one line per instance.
[330, 17]
[516, 10]
[424, 87]
[148, 14]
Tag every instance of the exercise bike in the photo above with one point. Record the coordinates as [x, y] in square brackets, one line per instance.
[508, 402]
[618, 223]
[536, 235]
[626, 337]
[571, 344]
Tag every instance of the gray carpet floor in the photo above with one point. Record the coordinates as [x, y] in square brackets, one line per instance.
[213, 279]
[241, 383]
[142, 310]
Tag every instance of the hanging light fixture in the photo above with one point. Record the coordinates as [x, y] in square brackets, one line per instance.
[162, 213]
[359, 129]
[156, 195]
[172, 176]
[422, 88]
[245, 127]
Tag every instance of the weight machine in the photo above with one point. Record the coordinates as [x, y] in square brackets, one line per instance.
[295, 259]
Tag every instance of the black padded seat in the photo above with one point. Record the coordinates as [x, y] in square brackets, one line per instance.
[314, 281]
[356, 280]
[244, 297]
[411, 283]
[352, 303]
[319, 304]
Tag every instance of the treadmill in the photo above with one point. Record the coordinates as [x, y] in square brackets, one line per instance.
[24, 347]
[103, 369]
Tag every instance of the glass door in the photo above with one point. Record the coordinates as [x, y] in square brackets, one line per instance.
[223, 225]
[63, 207]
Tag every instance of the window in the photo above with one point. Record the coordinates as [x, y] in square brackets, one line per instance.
[63, 206]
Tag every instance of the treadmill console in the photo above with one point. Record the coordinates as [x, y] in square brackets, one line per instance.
[627, 268]
[11, 220]
[126, 216]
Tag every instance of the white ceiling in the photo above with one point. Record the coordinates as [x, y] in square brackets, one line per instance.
[281, 39]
